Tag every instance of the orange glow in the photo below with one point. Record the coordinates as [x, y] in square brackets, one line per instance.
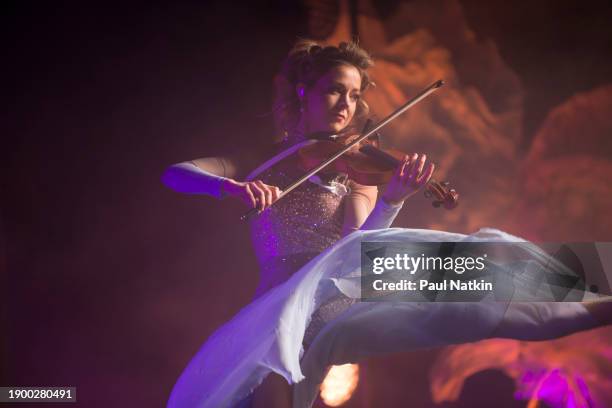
[577, 365]
[339, 384]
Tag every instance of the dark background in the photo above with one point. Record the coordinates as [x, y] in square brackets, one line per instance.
[111, 282]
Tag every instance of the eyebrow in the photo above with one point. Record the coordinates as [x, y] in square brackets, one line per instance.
[340, 84]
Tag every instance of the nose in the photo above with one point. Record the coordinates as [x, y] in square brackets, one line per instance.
[344, 101]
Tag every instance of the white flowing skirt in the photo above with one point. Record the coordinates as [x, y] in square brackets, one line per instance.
[266, 336]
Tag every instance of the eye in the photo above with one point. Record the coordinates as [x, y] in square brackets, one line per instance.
[356, 97]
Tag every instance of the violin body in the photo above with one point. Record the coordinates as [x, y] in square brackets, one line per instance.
[367, 164]
[363, 161]
[357, 164]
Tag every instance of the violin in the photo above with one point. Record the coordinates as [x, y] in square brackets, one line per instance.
[440, 191]
[368, 164]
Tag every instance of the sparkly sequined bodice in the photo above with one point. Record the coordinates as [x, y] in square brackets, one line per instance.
[296, 228]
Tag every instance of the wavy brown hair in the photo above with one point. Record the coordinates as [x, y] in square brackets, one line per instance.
[306, 63]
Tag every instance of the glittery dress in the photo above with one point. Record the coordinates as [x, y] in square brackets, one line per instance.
[295, 230]
[306, 316]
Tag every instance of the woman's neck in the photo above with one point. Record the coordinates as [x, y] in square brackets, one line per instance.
[301, 132]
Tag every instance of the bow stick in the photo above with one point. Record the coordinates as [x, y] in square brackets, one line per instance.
[421, 95]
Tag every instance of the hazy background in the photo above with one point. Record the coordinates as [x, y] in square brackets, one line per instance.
[111, 282]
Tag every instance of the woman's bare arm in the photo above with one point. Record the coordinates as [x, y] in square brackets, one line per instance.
[364, 211]
[358, 206]
[216, 176]
[220, 166]
[200, 176]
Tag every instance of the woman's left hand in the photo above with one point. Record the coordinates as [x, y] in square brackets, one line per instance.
[410, 175]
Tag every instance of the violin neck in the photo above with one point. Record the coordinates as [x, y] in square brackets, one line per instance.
[380, 155]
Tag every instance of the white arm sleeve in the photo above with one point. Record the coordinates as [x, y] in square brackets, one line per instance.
[188, 178]
[382, 215]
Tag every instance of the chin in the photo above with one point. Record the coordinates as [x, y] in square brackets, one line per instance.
[336, 127]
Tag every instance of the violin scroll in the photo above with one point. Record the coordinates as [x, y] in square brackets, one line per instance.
[442, 194]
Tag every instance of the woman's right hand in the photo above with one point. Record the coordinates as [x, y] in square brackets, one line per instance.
[255, 194]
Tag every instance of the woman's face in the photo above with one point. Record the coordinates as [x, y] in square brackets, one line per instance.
[330, 104]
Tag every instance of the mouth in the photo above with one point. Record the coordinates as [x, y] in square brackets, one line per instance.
[338, 117]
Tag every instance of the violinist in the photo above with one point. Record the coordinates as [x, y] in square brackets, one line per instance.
[320, 91]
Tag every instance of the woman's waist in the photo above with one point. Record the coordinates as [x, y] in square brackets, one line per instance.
[272, 245]
[275, 270]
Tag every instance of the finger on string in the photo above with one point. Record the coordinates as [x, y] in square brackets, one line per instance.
[399, 170]
[424, 178]
[408, 174]
[420, 165]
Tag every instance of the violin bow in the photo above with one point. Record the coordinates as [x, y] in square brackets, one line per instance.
[416, 99]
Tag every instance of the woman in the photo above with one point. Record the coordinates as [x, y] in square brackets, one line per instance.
[303, 318]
